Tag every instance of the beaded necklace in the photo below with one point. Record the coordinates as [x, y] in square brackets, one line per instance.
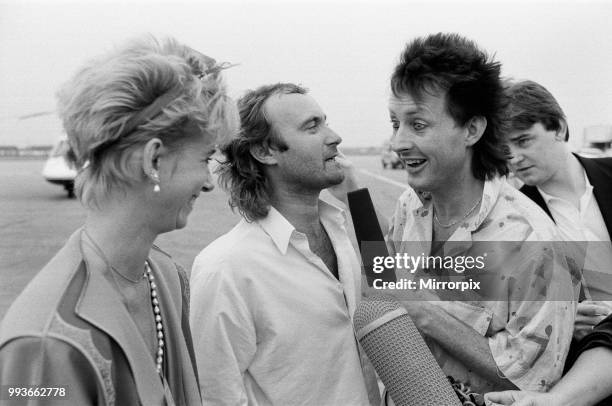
[159, 326]
[148, 275]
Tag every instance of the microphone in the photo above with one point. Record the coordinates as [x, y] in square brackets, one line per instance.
[370, 238]
[400, 356]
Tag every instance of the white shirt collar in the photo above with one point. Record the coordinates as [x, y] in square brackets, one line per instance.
[589, 188]
[281, 230]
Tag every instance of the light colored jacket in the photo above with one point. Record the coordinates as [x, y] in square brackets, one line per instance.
[70, 328]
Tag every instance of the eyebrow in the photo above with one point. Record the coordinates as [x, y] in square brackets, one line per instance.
[520, 135]
[411, 112]
[316, 119]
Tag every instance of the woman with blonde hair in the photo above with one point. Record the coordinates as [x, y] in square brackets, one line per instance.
[106, 320]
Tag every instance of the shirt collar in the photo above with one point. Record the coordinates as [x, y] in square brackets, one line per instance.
[490, 193]
[281, 230]
[425, 204]
[588, 190]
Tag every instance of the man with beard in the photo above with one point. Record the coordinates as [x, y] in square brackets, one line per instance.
[272, 300]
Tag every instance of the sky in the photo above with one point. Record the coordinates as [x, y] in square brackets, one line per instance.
[342, 51]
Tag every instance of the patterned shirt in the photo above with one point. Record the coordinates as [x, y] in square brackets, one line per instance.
[530, 320]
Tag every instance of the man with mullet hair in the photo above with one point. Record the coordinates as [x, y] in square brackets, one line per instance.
[445, 108]
[272, 300]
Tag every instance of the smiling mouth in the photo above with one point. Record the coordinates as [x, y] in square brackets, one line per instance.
[410, 162]
[414, 163]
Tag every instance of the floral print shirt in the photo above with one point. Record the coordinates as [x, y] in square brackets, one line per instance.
[528, 312]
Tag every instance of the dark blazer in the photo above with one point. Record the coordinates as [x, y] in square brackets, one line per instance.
[69, 328]
[599, 173]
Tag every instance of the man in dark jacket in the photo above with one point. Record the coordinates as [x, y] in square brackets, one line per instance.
[575, 192]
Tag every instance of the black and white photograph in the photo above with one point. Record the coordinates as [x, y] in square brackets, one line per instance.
[306, 202]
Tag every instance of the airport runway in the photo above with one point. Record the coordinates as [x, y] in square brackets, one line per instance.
[36, 218]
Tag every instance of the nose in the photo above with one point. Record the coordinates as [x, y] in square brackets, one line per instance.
[401, 140]
[333, 138]
[514, 156]
[208, 185]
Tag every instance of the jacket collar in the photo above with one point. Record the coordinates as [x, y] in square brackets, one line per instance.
[601, 179]
[101, 305]
[533, 193]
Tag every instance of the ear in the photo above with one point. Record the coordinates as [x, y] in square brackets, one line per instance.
[475, 128]
[151, 156]
[264, 154]
[562, 132]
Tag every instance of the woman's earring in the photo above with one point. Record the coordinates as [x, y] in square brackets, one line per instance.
[155, 177]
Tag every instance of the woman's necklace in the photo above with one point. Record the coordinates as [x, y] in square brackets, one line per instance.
[147, 274]
[159, 325]
[107, 262]
[452, 223]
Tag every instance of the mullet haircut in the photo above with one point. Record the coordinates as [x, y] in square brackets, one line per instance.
[452, 66]
[240, 174]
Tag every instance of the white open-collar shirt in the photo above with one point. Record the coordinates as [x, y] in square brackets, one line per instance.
[586, 224]
[271, 324]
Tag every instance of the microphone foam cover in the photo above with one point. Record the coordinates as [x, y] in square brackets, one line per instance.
[400, 356]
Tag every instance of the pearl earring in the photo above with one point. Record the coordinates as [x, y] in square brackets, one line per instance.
[155, 177]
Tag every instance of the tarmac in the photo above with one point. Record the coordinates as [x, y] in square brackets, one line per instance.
[36, 218]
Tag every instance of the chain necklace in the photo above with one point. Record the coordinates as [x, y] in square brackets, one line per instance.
[107, 262]
[144, 275]
[148, 275]
[452, 223]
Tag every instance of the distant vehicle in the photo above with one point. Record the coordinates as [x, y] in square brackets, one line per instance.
[596, 141]
[591, 152]
[60, 168]
[389, 158]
